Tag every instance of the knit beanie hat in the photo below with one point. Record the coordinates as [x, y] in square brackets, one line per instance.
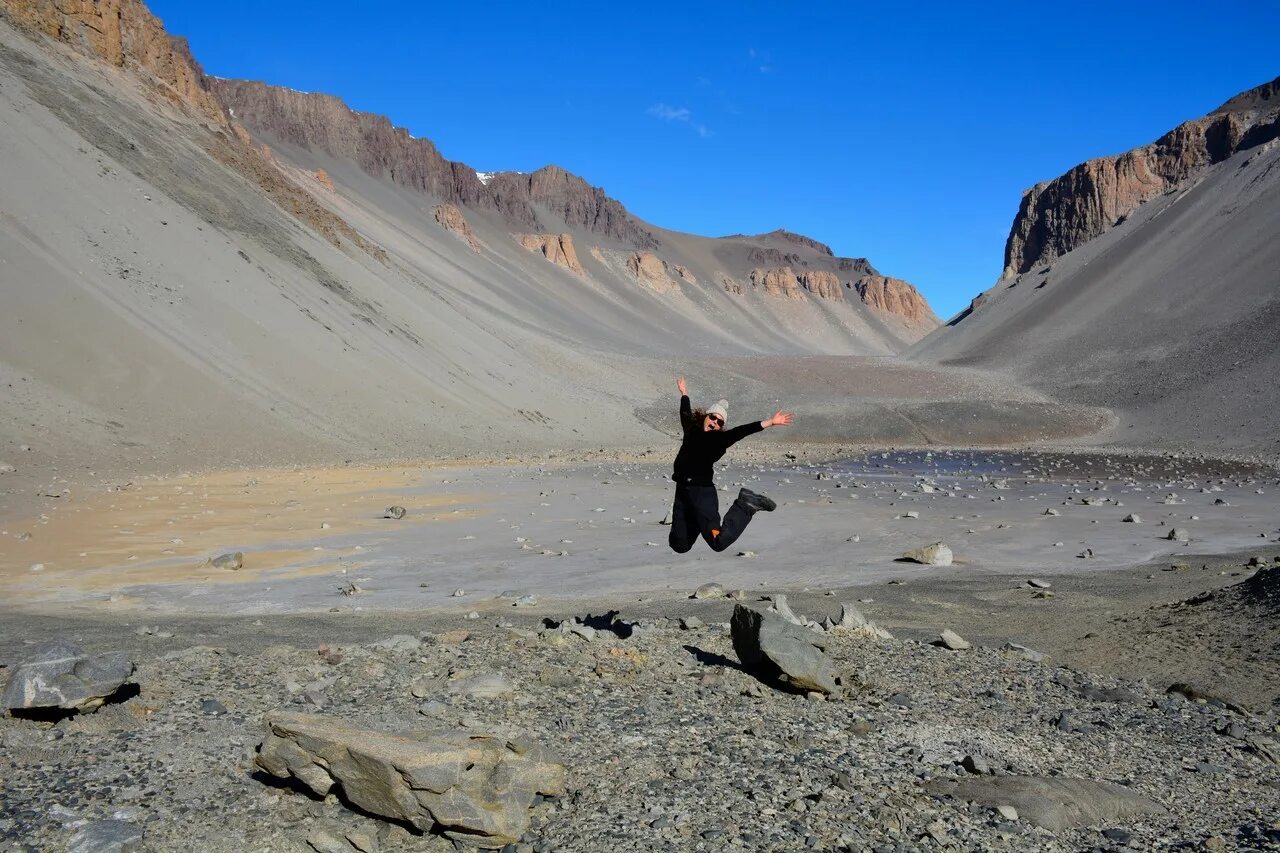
[720, 409]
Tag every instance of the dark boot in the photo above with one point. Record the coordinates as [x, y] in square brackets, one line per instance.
[755, 502]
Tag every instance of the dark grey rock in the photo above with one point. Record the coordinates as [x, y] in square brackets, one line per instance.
[60, 675]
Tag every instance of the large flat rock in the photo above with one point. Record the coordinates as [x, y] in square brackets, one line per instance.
[1052, 802]
[471, 787]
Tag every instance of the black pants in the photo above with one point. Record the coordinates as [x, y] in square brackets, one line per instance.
[696, 511]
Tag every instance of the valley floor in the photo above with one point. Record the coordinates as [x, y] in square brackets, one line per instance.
[669, 743]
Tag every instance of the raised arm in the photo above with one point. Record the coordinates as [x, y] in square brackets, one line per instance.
[738, 433]
[686, 407]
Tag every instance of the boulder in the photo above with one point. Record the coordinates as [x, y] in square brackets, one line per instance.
[709, 590]
[60, 675]
[475, 788]
[776, 650]
[951, 640]
[936, 554]
[1054, 803]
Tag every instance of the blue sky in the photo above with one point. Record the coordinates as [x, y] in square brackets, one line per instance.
[904, 132]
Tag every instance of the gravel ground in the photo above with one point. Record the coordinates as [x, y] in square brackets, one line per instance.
[669, 745]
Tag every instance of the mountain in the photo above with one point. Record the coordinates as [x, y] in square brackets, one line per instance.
[1148, 283]
[317, 132]
[213, 272]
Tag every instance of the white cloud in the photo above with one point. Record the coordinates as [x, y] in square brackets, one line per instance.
[684, 115]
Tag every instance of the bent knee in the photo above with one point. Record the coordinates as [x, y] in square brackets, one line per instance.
[681, 547]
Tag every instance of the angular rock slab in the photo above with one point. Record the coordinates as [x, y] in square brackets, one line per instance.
[60, 675]
[777, 650]
[1054, 803]
[474, 788]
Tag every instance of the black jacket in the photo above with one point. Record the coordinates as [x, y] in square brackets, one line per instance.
[700, 449]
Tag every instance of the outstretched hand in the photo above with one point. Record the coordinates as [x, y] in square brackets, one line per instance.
[780, 418]
[684, 389]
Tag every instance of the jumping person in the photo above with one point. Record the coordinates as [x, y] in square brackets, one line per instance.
[696, 510]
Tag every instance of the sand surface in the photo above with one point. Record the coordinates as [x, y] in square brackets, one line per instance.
[565, 531]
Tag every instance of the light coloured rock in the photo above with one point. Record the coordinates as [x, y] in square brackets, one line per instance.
[650, 270]
[823, 284]
[1054, 803]
[557, 248]
[709, 590]
[106, 836]
[59, 674]
[233, 561]
[954, 641]
[325, 182]
[396, 512]
[487, 686]
[779, 651]
[1133, 518]
[897, 297]
[475, 788]
[780, 281]
[684, 272]
[936, 554]
[451, 218]
[1179, 534]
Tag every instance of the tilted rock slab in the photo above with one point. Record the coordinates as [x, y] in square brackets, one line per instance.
[777, 650]
[1052, 802]
[60, 675]
[476, 788]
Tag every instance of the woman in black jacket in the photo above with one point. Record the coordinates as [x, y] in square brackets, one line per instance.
[696, 510]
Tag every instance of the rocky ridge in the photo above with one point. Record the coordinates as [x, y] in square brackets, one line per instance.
[318, 121]
[1057, 216]
[125, 35]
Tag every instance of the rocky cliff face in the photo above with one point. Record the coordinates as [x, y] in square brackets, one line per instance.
[651, 270]
[823, 284]
[780, 281]
[557, 248]
[1059, 215]
[124, 34]
[451, 218]
[325, 123]
[897, 297]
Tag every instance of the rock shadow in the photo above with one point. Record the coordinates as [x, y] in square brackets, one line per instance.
[123, 693]
[707, 658]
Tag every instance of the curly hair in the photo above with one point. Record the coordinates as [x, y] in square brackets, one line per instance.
[695, 419]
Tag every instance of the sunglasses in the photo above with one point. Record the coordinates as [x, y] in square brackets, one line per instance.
[716, 419]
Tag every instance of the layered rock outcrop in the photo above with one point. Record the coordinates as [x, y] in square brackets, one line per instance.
[895, 296]
[323, 179]
[325, 123]
[823, 284]
[451, 218]
[779, 281]
[124, 34]
[557, 248]
[1056, 216]
[650, 270]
